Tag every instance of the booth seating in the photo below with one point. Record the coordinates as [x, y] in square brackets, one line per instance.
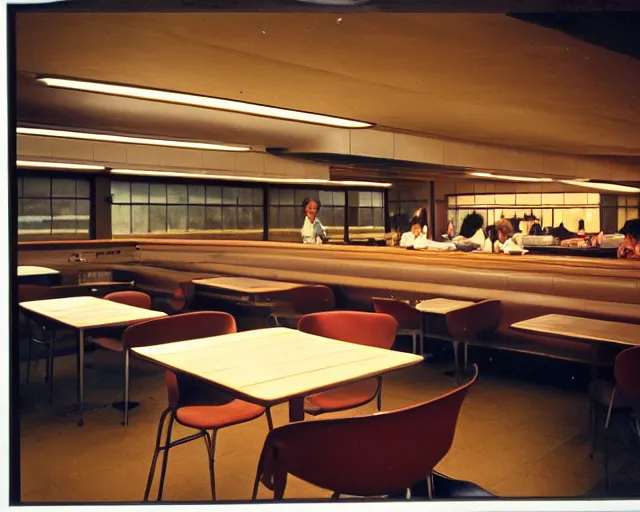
[526, 286]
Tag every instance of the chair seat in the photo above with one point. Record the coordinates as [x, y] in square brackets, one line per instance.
[600, 391]
[218, 416]
[109, 343]
[344, 397]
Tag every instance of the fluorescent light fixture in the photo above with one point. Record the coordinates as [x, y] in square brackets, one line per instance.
[46, 132]
[505, 177]
[612, 187]
[202, 101]
[227, 177]
[58, 165]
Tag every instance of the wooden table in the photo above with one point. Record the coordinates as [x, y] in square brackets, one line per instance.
[586, 330]
[276, 365]
[30, 274]
[85, 313]
[441, 306]
[244, 289]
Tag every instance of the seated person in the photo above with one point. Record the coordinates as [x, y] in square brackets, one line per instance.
[630, 248]
[504, 229]
[472, 235]
[417, 236]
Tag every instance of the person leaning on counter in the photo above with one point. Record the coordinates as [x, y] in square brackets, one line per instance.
[630, 248]
[312, 232]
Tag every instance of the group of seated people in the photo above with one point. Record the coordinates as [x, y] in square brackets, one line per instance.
[504, 237]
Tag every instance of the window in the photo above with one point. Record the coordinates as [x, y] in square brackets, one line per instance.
[550, 208]
[366, 215]
[49, 206]
[286, 215]
[170, 208]
[403, 204]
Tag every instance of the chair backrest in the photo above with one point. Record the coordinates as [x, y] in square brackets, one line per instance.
[169, 329]
[407, 317]
[312, 299]
[29, 292]
[372, 329]
[368, 455]
[472, 321]
[627, 372]
[130, 298]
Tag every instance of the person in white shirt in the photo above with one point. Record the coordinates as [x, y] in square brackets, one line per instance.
[412, 236]
[471, 233]
[417, 238]
[312, 232]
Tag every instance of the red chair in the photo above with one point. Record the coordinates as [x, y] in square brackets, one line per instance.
[193, 402]
[304, 300]
[372, 329]
[624, 396]
[409, 319]
[111, 339]
[378, 455]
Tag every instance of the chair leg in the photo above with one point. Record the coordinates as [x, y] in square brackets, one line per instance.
[379, 395]
[607, 440]
[430, 489]
[256, 482]
[466, 356]
[457, 362]
[210, 441]
[156, 452]
[29, 350]
[165, 457]
[269, 419]
[52, 346]
[593, 424]
[414, 337]
[125, 421]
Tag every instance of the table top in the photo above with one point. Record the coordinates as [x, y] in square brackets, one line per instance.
[30, 270]
[441, 306]
[273, 365]
[246, 284]
[88, 312]
[582, 329]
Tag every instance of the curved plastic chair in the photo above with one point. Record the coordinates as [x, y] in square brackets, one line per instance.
[379, 455]
[304, 300]
[468, 324]
[372, 329]
[31, 292]
[624, 396]
[409, 319]
[192, 402]
[115, 342]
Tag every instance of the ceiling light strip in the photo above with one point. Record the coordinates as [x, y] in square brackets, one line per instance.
[46, 132]
[611, 187]
[227, 177]
[203, 101]
[507, 177]
[58, 165]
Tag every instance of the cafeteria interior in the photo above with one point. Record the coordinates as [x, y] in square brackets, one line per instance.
[362, 254]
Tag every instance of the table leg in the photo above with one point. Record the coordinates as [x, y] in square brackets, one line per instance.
[81, 376]
[296, 409]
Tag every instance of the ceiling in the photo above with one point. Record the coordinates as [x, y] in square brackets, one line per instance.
[476, 77]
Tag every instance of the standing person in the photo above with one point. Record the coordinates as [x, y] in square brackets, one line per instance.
[312, 232]
[630, 248]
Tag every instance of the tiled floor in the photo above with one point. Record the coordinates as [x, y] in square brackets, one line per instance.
[514, 438]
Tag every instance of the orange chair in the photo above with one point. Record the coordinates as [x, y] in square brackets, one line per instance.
[112, 340]
[624, 396]
[409, 319]
[192, 402]
[372, 329]
[304, 300]
[378, 455]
